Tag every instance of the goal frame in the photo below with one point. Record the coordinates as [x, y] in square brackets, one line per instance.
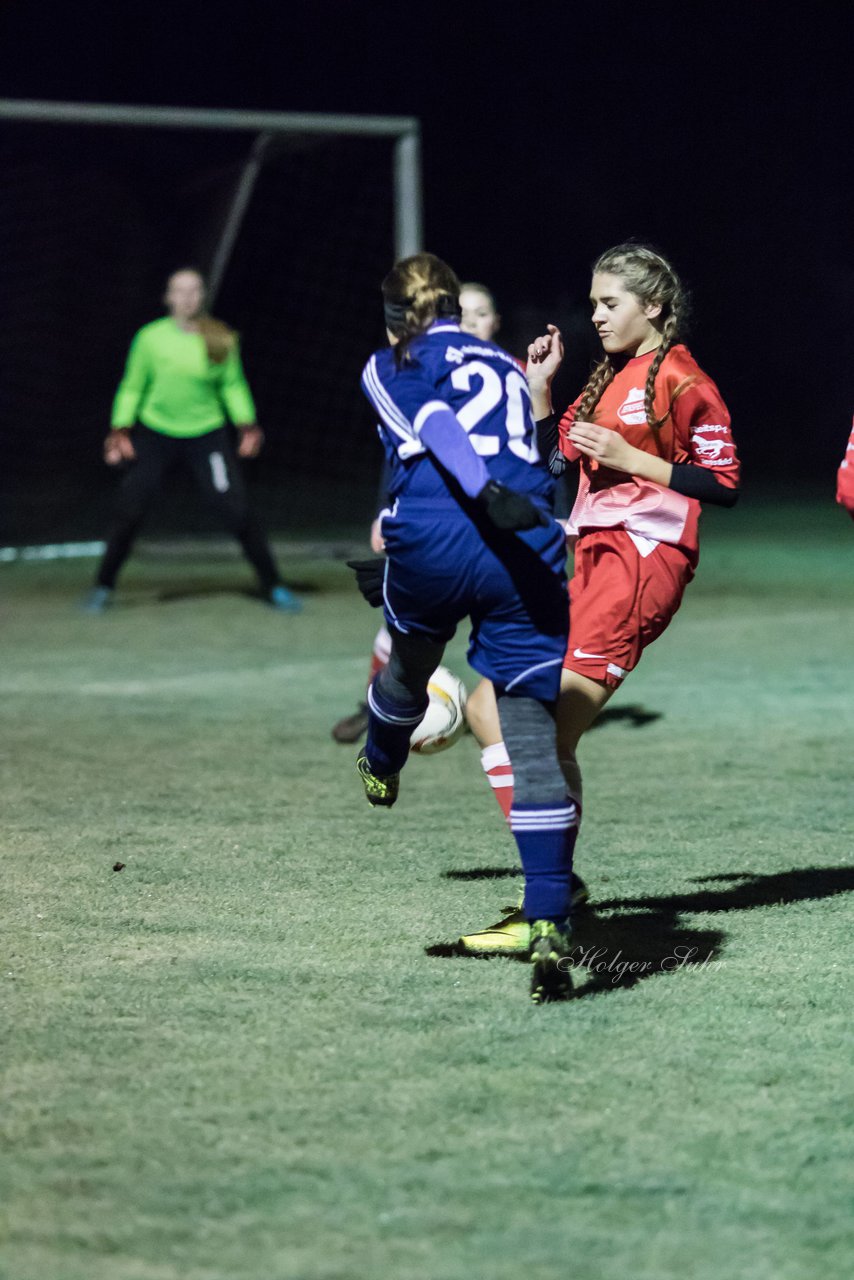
[266, 126]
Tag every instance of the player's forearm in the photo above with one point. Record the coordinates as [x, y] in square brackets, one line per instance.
[239, 405]
[131, 389]
[647, 466]
[701, 483]
[684, 477]
[541, 399]
[547, 434]
[126, 405]
[235, 392]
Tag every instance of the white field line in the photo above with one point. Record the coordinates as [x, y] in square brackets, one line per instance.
[192, 682]
[199, 547]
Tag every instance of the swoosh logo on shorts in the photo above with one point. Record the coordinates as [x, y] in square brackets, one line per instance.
[579, 653]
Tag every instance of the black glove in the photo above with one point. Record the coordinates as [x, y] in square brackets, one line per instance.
[509, 510]
[369, 577]
[557, 461]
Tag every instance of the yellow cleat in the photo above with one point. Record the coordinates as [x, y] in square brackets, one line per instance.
[509, 937]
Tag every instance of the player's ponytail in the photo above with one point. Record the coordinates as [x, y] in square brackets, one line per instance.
[218, 338]
[417, 291]
[647, 275]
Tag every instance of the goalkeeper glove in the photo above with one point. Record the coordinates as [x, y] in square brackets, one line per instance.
[369, 577]
[557, 462]
[509, 510]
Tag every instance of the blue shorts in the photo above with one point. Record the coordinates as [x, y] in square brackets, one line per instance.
[445, 564]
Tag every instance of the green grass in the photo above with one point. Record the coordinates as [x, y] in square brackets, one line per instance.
[250, 1055]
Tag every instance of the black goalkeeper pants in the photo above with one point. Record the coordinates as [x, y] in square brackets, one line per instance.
[214, 465]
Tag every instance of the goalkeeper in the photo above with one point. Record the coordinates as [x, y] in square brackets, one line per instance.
[183, 379]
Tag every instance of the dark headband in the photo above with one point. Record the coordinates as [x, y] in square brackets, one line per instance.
[395, 315]
[447, 306]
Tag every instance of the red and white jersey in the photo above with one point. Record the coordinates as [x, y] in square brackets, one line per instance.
[696, 429]
[845, 476]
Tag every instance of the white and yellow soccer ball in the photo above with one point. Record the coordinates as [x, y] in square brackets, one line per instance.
[445, 720]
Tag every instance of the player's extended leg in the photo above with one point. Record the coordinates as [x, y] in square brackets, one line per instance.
[511, 934]
[216, 469]
[397, 701]
[581, 700]
[355, 726]
[544, 822]
[155, 454]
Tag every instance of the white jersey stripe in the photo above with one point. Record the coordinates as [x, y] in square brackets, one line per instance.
[383, 401]
[408, 446]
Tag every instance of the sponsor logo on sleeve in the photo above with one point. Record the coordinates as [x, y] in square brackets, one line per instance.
[711, 445]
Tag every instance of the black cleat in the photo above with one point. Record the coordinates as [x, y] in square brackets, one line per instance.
[379, 791]
[550, 957]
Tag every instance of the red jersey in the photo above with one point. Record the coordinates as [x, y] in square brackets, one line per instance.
[845, 477]
[696, 429]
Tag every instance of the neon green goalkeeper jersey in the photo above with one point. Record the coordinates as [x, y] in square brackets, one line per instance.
[171, 386]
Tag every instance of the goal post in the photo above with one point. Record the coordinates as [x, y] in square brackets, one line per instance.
[294, 218]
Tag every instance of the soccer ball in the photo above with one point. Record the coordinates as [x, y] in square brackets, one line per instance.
[445, 720]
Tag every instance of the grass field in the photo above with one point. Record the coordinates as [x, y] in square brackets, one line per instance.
[251, 1054]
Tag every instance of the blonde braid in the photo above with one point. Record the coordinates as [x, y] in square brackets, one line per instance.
[602, 374]
[668, 337]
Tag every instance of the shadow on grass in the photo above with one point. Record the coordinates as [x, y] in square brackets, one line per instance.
[643, 936]
[485, 873]
[636, 716]
[746, 891]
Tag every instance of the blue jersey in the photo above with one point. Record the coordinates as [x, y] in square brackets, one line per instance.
[486, 390]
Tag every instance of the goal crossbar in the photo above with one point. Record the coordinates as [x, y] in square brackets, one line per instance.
[405, 130]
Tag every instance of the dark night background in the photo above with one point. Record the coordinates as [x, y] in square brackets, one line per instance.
[719, 133]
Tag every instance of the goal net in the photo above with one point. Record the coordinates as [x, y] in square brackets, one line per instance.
[295, 219]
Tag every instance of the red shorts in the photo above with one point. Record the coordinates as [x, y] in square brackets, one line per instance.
[620, 601]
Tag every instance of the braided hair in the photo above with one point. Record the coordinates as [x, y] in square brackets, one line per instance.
[652, 280]
[417, 291]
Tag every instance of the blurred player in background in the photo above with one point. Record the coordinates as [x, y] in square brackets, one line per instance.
[182, 380]
[479, 317]
[653, 438]
[470, 534]
[845, 478]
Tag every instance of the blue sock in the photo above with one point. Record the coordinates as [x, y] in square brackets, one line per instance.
[390, 725]
[545, 834]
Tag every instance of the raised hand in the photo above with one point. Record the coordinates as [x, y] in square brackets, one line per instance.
[545, 355]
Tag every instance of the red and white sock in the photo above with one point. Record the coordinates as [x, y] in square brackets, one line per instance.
[381, 653]
[495, 763]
